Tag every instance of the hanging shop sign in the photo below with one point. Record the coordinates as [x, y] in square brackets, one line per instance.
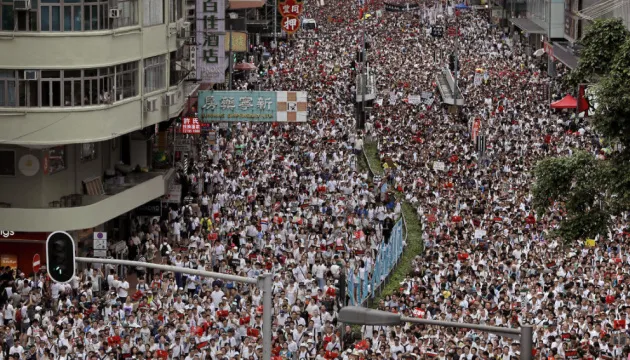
[290, 24]
[291, 8]
[252, 106]
[211, 39]
[190, 126]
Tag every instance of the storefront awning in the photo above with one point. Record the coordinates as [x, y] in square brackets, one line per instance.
[245, 4]
[528, 26]
[565, 56]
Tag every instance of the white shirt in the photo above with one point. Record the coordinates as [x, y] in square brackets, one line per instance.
[123, 288]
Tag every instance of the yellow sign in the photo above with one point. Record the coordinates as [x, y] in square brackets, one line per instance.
[9, 260]
[239, 41]
[590, 242]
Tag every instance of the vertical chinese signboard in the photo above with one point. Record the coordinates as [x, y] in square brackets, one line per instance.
[291, 11]
[210, 38]
[190, 126]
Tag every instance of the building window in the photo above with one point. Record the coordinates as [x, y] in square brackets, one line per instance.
[7, 21]
[176, 10]
[128, 14]
[7, 163]
[69, 88]
[176, 73]
[8, 84]
[153, 12]
[86, 15]
[87, 151]
[54, 160]
[154, 73]
[126, 81]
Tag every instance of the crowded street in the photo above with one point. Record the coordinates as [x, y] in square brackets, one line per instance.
[314, 204]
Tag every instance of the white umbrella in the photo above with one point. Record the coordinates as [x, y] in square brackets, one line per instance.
[539, 52]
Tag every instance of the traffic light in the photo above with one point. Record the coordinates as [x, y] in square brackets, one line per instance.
[60, 256]
[452, 62]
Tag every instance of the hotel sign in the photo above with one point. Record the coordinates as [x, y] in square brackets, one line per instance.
[210, 38]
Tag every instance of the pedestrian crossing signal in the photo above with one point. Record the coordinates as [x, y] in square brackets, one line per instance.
[60, 256]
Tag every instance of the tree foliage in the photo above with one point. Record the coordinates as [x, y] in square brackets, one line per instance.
[585, 189]
[600, 44]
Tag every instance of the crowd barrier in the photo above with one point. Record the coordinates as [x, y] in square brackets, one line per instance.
[361, 288]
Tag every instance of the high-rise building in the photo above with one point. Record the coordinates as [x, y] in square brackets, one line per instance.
[84, 87]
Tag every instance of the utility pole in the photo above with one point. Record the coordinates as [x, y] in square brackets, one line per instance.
[231, 61]
[275, 26]
[364, 74]
[456, 67]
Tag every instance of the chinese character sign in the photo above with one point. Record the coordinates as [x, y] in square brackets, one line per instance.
[263, 106]
[291, 7]
[290, 24]
[190, 126]
[291, 11]
[210, 38]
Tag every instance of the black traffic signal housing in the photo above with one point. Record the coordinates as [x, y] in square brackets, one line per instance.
[452, 62]
[60, 256]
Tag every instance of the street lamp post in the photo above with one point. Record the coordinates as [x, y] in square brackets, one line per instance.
[363, 316]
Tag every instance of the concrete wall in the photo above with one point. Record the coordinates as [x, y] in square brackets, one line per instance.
[39, 190]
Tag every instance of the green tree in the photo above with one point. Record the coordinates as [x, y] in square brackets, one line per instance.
[600, 44]
[584, 189]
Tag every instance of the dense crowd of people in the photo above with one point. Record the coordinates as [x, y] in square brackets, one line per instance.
[292, 200]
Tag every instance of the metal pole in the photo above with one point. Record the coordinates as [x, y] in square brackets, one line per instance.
[527, 342]
[231, 60]
[182, 270]
[363, 76]
[275, 25]
[455, 76]
[507, 332]
[174, 141]
[267, 283]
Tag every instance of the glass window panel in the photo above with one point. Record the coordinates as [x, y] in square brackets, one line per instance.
[77, 18]
[45, 16]
[50, 1]
[3, 93]
[71, 1]
[22, 95]
[71, 74]
[11, 92]
[103, 16]
[7, 74]
[51, 74]
[32, 93]
[87, 96]
[8, 22]
[67, 18]
[67, 93]
[45, 93]
[56, 93]
[94, 17]
[86, 16]
[77, 92]
[94, 91]
[90, 72]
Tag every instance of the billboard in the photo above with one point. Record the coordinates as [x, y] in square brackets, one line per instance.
[262, 106]
[210, 37]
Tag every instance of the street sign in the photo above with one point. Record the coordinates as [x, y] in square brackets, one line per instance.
[100, 253]
[100, 241]
[36, 263]
[182, 144]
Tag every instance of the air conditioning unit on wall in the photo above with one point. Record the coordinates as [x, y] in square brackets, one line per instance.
[22, 5]
[150, 105]
[168, 100]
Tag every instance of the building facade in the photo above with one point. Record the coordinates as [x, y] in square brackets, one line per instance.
[86, 89]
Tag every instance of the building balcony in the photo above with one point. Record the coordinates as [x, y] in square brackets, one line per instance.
[81, 124]
[108, 200]
[84, 49]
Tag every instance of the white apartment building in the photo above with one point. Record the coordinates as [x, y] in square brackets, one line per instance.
[84, 85]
